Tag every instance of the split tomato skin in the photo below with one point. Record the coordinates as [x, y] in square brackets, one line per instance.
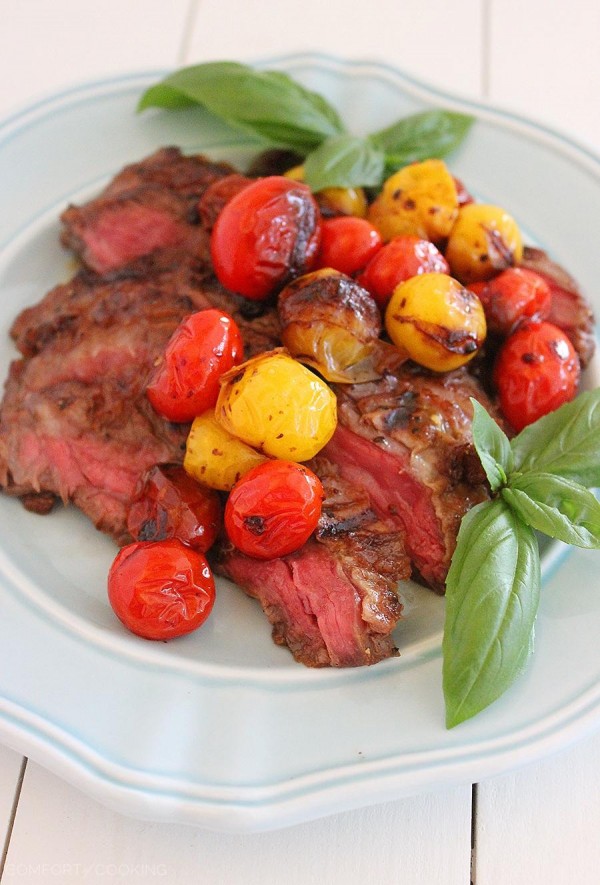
[185, 383]
[161, 589]
[514, 295]
[266, 235]
[403, 257]
[273, 509]
[171, 504]
[348, 243]
[537, 370]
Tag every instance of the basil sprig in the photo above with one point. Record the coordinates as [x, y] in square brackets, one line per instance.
[539, 483]
[278, 111]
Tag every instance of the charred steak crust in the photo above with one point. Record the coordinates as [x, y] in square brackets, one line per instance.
[75, 423]
[335, 601]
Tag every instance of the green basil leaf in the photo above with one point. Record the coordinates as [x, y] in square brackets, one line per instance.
[566, 441]
[421, 136]
[344, 161]
[492, 596]
[269, 104]
[492, 445]
[557, 507]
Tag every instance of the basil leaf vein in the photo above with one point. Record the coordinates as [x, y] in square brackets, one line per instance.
[492, 445]
[556, 506]
[492, 597]
[420, 136]
[565, 442]
[267, 103]
[344, 161]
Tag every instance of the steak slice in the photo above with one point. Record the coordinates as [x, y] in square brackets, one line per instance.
[407, 439]
[569, 310]
[75, 421]
[149, 205]
[334, 602]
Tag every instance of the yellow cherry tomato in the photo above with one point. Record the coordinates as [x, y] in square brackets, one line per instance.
[484, 241]
[275, 404]
[214, 457]
[439, 323]
[420, 200]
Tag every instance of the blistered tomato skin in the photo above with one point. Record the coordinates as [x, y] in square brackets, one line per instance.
[537, 370]
[514, 295]
[275, 404]
[439, 323]
[421, 200]
[161, 589]
[274, 509]
[170, 504]
[186, 380]
[347, 244]
[484, 241]
[265, 235]
[401, 258]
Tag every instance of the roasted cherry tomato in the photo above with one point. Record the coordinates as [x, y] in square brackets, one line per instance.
[401, 258]
[347, 243]
[161, 589]
[265, 235]
[537, 370]
[170, 504]
[273, 509]
[185, 383]
[514, 295]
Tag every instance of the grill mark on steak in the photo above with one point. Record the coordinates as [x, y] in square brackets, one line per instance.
[335, 601]
[407, 438]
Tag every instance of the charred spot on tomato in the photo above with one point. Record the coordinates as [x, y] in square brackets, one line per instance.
[255, 524]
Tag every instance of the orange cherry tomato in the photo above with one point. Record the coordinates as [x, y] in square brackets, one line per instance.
[537, 370]
[348, 243]
[266, 235]
[403, 257]
[273, 509]
[170, 504]
[186, 381]
[514, 295]
[161, 589]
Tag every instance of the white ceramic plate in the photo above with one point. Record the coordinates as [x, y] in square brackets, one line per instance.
[222, 729]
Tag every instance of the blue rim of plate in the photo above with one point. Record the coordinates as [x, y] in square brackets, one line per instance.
[116, 786]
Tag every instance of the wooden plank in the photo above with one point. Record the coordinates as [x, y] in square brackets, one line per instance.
[544, 62]
[540, 825]
[48, 46]
[412, 35]
[59, 829]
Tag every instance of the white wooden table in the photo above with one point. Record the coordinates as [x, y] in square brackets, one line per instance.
[539, 825]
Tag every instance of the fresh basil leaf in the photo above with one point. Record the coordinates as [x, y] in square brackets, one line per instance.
[557, 507]
[344, 161]
[566, 442]
[492, 596]
[269, 104]
[492, 445]
[421, 136]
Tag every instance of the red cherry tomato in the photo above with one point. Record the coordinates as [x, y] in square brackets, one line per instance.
[160, 589]
[273, 509]
[537, 370]
[514, 295]
[266, 235]
[403, 257]
[186, 381]
[348, 243]
[170, 504]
